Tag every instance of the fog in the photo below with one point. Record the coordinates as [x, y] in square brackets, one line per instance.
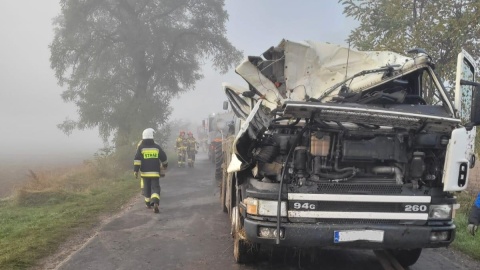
[30, 102]
[253, 27]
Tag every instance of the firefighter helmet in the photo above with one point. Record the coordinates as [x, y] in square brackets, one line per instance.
[189, 133]
[148, 133]
[182, 132]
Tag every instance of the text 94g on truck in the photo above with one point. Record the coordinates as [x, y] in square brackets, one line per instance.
[347, 149]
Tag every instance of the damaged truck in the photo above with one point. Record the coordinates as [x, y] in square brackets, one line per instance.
[339, 148]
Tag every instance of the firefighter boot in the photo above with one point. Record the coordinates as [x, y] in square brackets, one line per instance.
[148, 203]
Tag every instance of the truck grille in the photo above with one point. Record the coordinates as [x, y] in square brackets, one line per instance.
[359, 207]
[348, 188]
[360, 221]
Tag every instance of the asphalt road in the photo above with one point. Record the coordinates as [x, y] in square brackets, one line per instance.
[191, 232]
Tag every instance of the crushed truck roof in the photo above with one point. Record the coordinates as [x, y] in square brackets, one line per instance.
[299, 71]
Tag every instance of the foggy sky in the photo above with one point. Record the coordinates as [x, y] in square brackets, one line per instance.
[253, 27]
[30, 103]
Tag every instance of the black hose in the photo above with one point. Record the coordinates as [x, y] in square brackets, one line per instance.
[284, 118]
[281, 118]
[335, 167]
[347, 172]
[279, 202]
[337, 154]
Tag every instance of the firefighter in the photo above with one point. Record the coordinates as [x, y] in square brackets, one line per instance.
[181, 146]
[149, 160]
[192, 146]
[474, 218]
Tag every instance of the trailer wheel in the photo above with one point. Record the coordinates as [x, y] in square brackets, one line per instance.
[406, 257]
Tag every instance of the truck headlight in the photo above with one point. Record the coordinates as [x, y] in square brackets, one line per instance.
[264, 207]
[441, 211]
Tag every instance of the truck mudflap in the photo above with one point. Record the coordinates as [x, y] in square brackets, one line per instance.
[303, 235]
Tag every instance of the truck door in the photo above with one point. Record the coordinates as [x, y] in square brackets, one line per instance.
[460, 150]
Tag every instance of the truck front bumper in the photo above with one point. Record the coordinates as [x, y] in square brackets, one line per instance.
[322, 235]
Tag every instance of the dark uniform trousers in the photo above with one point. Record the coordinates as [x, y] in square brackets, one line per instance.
[151, 189]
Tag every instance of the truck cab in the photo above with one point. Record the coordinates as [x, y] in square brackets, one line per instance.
[348, 149]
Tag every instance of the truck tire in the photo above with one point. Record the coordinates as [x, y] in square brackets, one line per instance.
[406, 257]
[223, 193]
[244, 252]
[218, 161]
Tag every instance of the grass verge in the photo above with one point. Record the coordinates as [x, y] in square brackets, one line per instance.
[51, 207]
[465, 242]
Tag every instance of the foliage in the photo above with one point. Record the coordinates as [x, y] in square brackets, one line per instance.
[106, 164]
[124, 60]
[440, 27]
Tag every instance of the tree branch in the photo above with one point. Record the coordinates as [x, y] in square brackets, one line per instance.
[171, 53]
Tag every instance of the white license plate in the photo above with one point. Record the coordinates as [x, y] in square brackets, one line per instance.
[357, 235]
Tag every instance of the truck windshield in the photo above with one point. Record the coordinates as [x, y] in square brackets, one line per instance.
[418, 87]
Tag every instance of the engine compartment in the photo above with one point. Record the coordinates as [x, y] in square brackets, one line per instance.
[327, 152]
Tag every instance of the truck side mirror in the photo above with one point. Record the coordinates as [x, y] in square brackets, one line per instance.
[240, 106]
[225, 105]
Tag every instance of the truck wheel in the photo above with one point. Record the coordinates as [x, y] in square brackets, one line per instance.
[244, 252]
[223, 192]
[234, 221]
[218, 162]
[406, 257]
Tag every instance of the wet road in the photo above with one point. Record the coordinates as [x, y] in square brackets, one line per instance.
[191, 232]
